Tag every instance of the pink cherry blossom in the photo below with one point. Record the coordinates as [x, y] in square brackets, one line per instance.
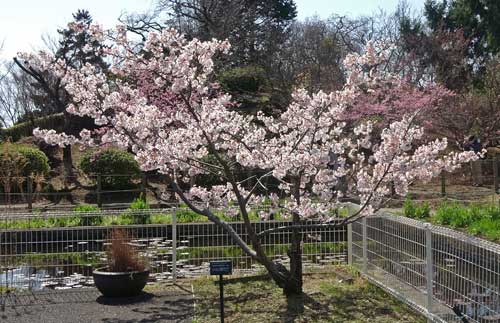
[161, 101]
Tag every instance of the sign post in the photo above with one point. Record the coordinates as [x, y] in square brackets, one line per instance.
[221, 268]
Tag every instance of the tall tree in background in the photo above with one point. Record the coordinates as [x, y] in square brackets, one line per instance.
[311, 56]
[257, 30]
[254, 27]
[76, 48]
[456, 46]
[478, 20]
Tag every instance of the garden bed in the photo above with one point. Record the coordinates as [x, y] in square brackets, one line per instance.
[479, 219]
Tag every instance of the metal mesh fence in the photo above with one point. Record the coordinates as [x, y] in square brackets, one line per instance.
[58, 251]
[440, 271]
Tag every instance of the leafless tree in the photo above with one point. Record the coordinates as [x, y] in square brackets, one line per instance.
[311, 56]
[16, 94]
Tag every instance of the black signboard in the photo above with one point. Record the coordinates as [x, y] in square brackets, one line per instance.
[221, 267]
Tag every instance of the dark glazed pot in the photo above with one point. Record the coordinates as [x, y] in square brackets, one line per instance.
[125, 284]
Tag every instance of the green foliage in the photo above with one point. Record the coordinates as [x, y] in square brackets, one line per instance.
[25, 129]
[112, 162]
[488, 228]
[186, 215]
[478, 20]
[34, 161]
[482, 220]
[85, 219]
[454, 215]
[477, 219]
[249, 86]
[244, 79]
[139, 204]
[86, 208]
[134, 214]
[416, 211]
[38, 163]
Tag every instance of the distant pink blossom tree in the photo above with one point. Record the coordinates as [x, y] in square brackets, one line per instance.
[161, 101]
[385, 96]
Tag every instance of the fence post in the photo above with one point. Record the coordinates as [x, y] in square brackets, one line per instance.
[429, 268]
[143, 186]
[174, 245]
[349, 244]
[443, 184]
[99, 189]
[495, 174]
[365, 245]
[29, 193]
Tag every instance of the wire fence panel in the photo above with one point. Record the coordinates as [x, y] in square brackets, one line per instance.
[436, 270]
[56, 252]
[440, 271]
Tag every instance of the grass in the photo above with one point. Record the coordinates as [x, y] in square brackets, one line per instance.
[326, 299]
[478, 219]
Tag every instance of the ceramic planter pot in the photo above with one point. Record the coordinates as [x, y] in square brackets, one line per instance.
[120, 284]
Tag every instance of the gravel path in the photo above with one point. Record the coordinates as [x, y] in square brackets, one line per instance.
[86, 306]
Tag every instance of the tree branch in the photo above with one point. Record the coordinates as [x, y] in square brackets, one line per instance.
[224, 225]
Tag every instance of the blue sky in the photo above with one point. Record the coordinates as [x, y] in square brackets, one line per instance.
[22, 22]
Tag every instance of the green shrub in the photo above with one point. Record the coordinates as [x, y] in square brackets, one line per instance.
[38, 163]
[249, 86]
[88, 220]
[416, 211]
[113, 162]
[35, 161]
[133, 214]
[423, 211]
[474, 217]
[444, 214]
[453, 214]
[486, 227]
[186, 215]
[244, 79]
[409, 208]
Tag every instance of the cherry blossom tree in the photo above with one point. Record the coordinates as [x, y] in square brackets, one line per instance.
[182, 116]
[389, 91]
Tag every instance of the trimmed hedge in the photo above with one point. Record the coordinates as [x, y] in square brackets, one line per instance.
[111, 162]
[244, 79]
[25, 129]
[36, 161]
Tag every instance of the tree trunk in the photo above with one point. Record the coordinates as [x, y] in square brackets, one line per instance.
[67, 162]
[67, 158]
[289, 280]
[294, 285]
